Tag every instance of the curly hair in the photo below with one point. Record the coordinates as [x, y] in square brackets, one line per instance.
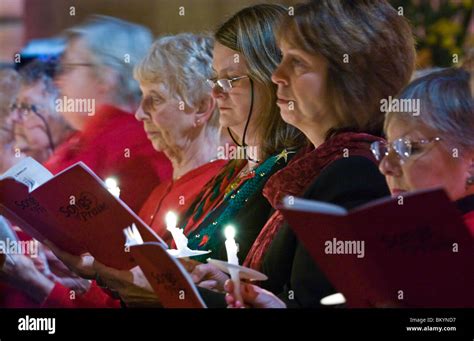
[182, 63]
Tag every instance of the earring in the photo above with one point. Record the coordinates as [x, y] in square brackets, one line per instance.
[197, 122]
[470, 181]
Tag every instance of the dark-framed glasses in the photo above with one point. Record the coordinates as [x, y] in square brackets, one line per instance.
[64, 67]
[224, 85]
[24, 108]
[403, 147]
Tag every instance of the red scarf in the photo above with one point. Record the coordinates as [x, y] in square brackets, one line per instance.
[298, 175]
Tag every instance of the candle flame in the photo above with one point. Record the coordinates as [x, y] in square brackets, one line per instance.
[229, 232]
[171, 220]
[112, 186]
[111, 183]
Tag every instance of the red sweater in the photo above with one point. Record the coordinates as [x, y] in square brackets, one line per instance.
[114, 144]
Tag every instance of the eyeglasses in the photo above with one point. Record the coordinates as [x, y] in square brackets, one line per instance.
[224, 85]
[24, 108]
[63, 68]
[404, 147]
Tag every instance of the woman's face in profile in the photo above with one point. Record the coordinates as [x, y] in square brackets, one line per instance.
[431, 165]
[301, 78]
[166, 121]
[234, 105]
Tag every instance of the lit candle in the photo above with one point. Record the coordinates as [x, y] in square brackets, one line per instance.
[112, 186]
[178, 235]
[230, 245]
[232, 248]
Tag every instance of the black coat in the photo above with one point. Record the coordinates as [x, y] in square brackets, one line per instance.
[293, 275]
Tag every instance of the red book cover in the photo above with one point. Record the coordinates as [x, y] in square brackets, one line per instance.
[411, 251]
[168, 278]
[73, 210]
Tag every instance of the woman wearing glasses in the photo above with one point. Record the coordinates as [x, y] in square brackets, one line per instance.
[436, 147]
[38, 127]
[245, 54]
[98, 97]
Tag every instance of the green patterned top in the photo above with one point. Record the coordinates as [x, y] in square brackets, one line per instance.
[206, 236]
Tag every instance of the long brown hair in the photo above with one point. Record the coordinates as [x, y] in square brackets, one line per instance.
[251, 32]
[370, 52]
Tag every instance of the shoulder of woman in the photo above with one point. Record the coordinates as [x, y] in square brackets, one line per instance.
[355, 179]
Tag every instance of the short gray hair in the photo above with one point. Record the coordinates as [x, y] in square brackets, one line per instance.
[117, 44]
[446, 105]
[182, 63]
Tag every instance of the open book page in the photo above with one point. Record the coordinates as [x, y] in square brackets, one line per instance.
[168, 278]
[75, 211]
[29, 172]
[387, 253]
[305, 205]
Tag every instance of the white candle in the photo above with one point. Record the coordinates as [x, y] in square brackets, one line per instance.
[230, 245]
[112, 186]
[232, 248]
[178, 235]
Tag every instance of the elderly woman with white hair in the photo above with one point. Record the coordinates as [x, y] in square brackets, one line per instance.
[98, 96]
[436, 147]
[181, 119]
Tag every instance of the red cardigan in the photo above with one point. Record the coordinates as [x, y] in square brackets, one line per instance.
[114, 144]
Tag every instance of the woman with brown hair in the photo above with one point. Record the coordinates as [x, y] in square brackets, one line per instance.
[245, 55]
[351, 55]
